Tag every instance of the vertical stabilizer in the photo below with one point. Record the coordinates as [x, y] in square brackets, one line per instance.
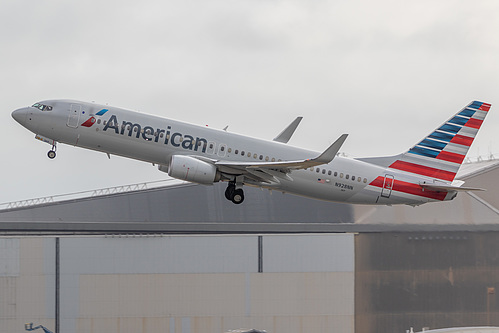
[441, 153]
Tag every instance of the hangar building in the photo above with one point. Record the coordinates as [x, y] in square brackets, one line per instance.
[180, 258]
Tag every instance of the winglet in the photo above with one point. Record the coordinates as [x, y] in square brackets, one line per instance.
[329, 154]
[286, 134]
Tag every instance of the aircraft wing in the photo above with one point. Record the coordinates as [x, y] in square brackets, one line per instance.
[286, 134]
[324, 158]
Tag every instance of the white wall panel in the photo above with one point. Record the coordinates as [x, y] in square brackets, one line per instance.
[168, 254]
[159, 295]
[303, 294]
[180, 284]
[308, 253]
[9, 257]
[22, 284]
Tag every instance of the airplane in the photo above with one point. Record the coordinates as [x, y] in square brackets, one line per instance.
[424, 173]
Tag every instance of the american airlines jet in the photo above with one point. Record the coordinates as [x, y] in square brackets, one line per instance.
[424, 173]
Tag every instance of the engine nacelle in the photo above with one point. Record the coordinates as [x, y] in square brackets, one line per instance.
[192, 170]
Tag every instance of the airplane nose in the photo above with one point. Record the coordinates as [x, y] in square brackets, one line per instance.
[20, 115]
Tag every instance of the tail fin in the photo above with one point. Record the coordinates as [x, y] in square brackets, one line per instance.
[441, 153]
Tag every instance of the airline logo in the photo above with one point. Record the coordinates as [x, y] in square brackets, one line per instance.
[91, 121]
[166, 136]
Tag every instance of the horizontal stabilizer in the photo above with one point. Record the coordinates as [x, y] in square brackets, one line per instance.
[450, 188]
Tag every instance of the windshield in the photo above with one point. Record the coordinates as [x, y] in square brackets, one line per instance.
[42, 107]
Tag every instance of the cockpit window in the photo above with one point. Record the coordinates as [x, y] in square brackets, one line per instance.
[42, 107]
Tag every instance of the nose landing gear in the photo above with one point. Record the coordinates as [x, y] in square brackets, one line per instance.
[234, 194]
[51, 154]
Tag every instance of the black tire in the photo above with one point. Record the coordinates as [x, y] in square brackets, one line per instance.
[238, 196]
[229, 192]
[51, 154]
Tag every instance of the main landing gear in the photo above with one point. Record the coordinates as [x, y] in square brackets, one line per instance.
[236, 195]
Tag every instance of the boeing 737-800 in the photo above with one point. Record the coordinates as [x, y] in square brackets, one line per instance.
[424, 173]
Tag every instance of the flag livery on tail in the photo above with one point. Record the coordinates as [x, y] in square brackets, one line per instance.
[441, 153]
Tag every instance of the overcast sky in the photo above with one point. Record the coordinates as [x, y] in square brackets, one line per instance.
[386, 72]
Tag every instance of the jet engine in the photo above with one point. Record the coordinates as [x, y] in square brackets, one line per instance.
[191, 169]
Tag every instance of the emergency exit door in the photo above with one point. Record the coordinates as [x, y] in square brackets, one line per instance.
[387, 188]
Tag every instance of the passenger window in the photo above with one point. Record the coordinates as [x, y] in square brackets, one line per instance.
[323, 171]
[229, 150]
[353, 178]
[365, 180]
[358, 179]
[341, 175]
[249, 154]
[347, 176]
[261, 157]
[335, 174]
[242, 152]
[254, 156]
[266, 158]
[273, 159]
[98, 121]
[329, 173]
[317, 170]
[222, 148]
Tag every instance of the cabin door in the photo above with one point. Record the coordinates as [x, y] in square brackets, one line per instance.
[74, 115]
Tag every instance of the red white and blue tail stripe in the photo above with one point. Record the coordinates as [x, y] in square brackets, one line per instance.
[441, 153]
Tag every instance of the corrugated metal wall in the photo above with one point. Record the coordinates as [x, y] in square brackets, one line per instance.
[187, 203]
[431, 280]
[180, 284]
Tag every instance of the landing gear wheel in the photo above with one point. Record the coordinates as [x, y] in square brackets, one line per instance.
[238, 196]
[229, 192]
[51, 154]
